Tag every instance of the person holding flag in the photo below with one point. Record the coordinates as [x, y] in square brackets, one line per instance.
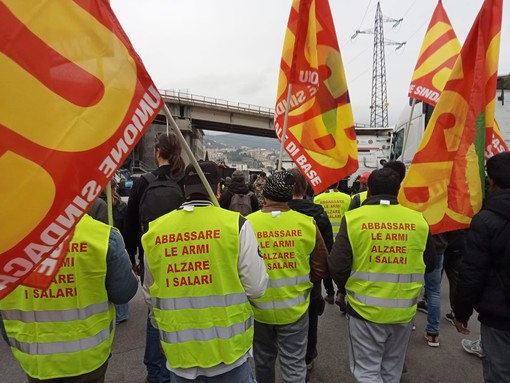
[66, 331]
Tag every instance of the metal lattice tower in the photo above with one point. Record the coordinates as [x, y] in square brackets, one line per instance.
[379, 104]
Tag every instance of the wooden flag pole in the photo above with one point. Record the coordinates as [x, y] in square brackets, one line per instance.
[191, 157]
[285, 123]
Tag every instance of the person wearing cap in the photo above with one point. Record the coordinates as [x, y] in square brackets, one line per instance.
[203, 270]
[238, 186]
[379, 259]
[361, 195]
[296, 257]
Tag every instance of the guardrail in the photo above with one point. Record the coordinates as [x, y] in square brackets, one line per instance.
[216, 102]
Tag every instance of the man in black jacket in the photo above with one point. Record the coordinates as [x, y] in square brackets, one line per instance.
[316, 211]
[238, 186]
[484, 280]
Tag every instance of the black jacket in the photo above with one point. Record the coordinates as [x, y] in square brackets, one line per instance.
[316, 211]
[321, 218]
[132, 228]
[238, 188]
[481, 279]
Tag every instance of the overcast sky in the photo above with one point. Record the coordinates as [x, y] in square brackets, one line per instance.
[231, 49]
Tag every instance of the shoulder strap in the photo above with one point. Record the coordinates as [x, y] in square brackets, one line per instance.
[149, 177]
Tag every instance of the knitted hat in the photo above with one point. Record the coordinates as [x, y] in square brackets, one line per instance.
[238, 176]
[279, 187]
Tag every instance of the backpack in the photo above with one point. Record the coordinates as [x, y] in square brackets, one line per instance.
[161, 196]
[241, 203]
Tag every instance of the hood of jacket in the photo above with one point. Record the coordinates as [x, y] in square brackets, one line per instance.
[238, 187]
[306, 207]
[499, 203]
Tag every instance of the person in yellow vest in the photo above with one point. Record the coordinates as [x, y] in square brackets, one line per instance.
[335, 204]
[65, 333]
[203, 268]
[295, 256]
[379, 257]
[361, 195]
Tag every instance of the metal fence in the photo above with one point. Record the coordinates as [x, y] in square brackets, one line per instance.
[215, 102]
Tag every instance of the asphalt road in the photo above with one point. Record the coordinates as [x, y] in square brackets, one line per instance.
[447, 363]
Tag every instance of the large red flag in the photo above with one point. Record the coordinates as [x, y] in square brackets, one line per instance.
[75, 100]
[446, 178]
[438, 54]
[320, 135]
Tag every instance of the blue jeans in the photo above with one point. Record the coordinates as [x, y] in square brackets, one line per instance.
[433, 293]
[154, 359]
[496, 345]
[121, 312]
[241, 374]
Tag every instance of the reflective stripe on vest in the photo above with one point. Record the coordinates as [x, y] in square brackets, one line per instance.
[56, 315]
[72, 318]
[275, 283]
[287, 239]
[62, 347]
[388, 277]
[387, 242]
[278, 305]
[383, 302]
[199, 302]
[206, 323]
[207, 334]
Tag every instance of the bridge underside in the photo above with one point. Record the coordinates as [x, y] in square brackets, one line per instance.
[226, 127]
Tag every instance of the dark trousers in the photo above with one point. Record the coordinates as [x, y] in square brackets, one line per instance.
[453, 258]
[328, 285]
[96, 376]
[496, 345]
[315, 309]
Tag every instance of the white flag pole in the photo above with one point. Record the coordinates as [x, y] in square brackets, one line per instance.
[191, 157]
[285, 123]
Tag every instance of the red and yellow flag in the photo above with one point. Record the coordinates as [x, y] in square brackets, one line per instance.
[320, 136]
[437, 56]
[446, 178]
[75, 100]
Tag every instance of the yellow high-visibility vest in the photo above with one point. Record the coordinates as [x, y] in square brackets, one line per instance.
[66, 330]
[387, 242]
[200, 306]
[286, 240]
[335, 204]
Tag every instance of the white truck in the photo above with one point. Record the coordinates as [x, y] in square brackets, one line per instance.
[421, 116]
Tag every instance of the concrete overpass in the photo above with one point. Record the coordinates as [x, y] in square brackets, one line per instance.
[194, 114]
[207, 113]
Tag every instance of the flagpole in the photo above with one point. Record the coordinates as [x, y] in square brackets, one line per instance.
[191, 157]
[407, 130]
[285, 123]
[109, 202]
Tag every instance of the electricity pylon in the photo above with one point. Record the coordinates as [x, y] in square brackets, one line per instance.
[379, 102]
